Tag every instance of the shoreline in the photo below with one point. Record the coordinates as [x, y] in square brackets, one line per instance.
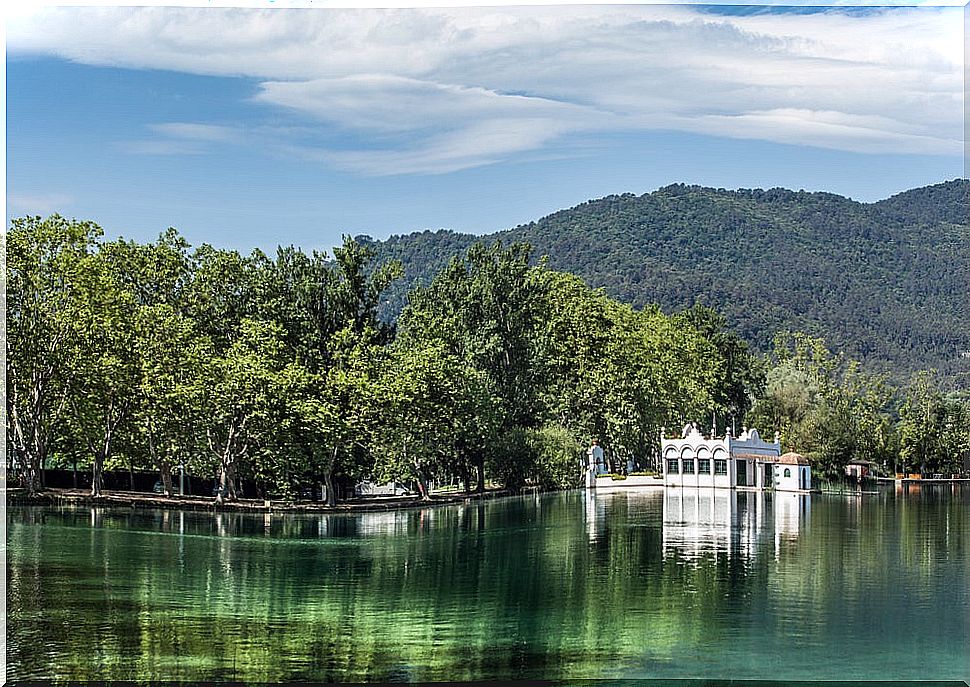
[912, 480]
[131, 499]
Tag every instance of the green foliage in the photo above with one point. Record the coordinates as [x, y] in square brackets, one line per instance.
[828, 409]
[482, 312]
[359, 287]
[485, 307]
[171, 357]
[883, 282]
[45, 259]
[513, 459]
[434, 409]
[559, 462]
[934, 430]
[104, 308]
[276, 373]
[618, 374]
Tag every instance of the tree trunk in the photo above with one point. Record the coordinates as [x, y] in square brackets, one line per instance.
[97, 474]
[328, 487]
[164, 466]
[31, 477]
[102, 452]
[328, 480]
[227, 481]
[480, 468]
[422, 478]
[422, 484]
[329, 493]
[227, 476]
[165, 472]
[97, 466]
[30, 454]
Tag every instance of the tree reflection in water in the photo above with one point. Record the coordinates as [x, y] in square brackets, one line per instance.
[568, 585]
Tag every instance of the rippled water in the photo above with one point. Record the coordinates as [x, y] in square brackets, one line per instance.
[653, 584]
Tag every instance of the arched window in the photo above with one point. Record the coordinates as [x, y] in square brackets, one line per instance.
[787, 472]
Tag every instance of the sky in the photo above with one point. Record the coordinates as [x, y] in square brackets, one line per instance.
[250, 127]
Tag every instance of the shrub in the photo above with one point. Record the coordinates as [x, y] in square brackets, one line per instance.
[558, 457]
[512, 459]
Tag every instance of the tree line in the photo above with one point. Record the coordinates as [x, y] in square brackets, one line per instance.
[833, 411]
[882, 282]
[277, 371]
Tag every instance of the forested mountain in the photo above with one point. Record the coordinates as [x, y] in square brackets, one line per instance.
[887, 283]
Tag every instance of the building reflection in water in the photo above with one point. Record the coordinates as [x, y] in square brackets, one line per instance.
[386, 522]
[792, 513]
[710, 521]
[595, 514]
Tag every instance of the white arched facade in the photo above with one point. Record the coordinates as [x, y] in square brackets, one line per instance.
[694, 460]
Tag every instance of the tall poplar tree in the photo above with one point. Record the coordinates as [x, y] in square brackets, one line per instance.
[45, 260]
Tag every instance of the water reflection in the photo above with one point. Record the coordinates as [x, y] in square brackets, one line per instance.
[388, 523]
[706, 521]
[653, 583]
[595, 514]
[792, 514]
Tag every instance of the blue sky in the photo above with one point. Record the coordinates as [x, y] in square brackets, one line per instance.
[248, 129]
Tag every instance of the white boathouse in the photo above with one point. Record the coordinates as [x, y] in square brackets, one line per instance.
[793, 473]
[746, 461]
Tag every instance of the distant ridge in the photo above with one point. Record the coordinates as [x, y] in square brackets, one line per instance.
[887, 283]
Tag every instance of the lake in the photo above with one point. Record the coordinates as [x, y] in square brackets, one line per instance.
[655, 584]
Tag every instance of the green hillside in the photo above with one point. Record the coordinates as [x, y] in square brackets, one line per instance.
[887, 283]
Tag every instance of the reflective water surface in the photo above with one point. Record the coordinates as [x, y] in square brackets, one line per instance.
[682, 583]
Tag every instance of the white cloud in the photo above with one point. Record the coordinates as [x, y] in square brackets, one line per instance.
[394, 104]
[161, 147]
[858, 133]
[483, 143]
[22, 204]
[198, 132]
[435, 90]
[428, 127]
[183, 138]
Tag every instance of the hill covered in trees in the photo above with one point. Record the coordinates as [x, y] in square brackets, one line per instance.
[886, 283]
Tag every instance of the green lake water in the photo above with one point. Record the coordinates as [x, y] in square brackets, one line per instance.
[654, 584]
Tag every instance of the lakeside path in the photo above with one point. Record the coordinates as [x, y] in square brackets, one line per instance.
[131, 499]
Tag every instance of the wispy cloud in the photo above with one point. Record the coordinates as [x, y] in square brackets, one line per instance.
[191, 131]
[182, 138]
[427, 127]
[161, 147]
[44, 203]
[431, 91]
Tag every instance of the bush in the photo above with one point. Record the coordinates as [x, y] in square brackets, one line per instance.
[512, 459]
[558, 457]
[550, 453]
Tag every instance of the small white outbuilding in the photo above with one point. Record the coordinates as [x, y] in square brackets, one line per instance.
[792, 473]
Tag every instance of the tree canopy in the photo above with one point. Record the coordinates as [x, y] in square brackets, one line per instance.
[271, 375]
[885, 283]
